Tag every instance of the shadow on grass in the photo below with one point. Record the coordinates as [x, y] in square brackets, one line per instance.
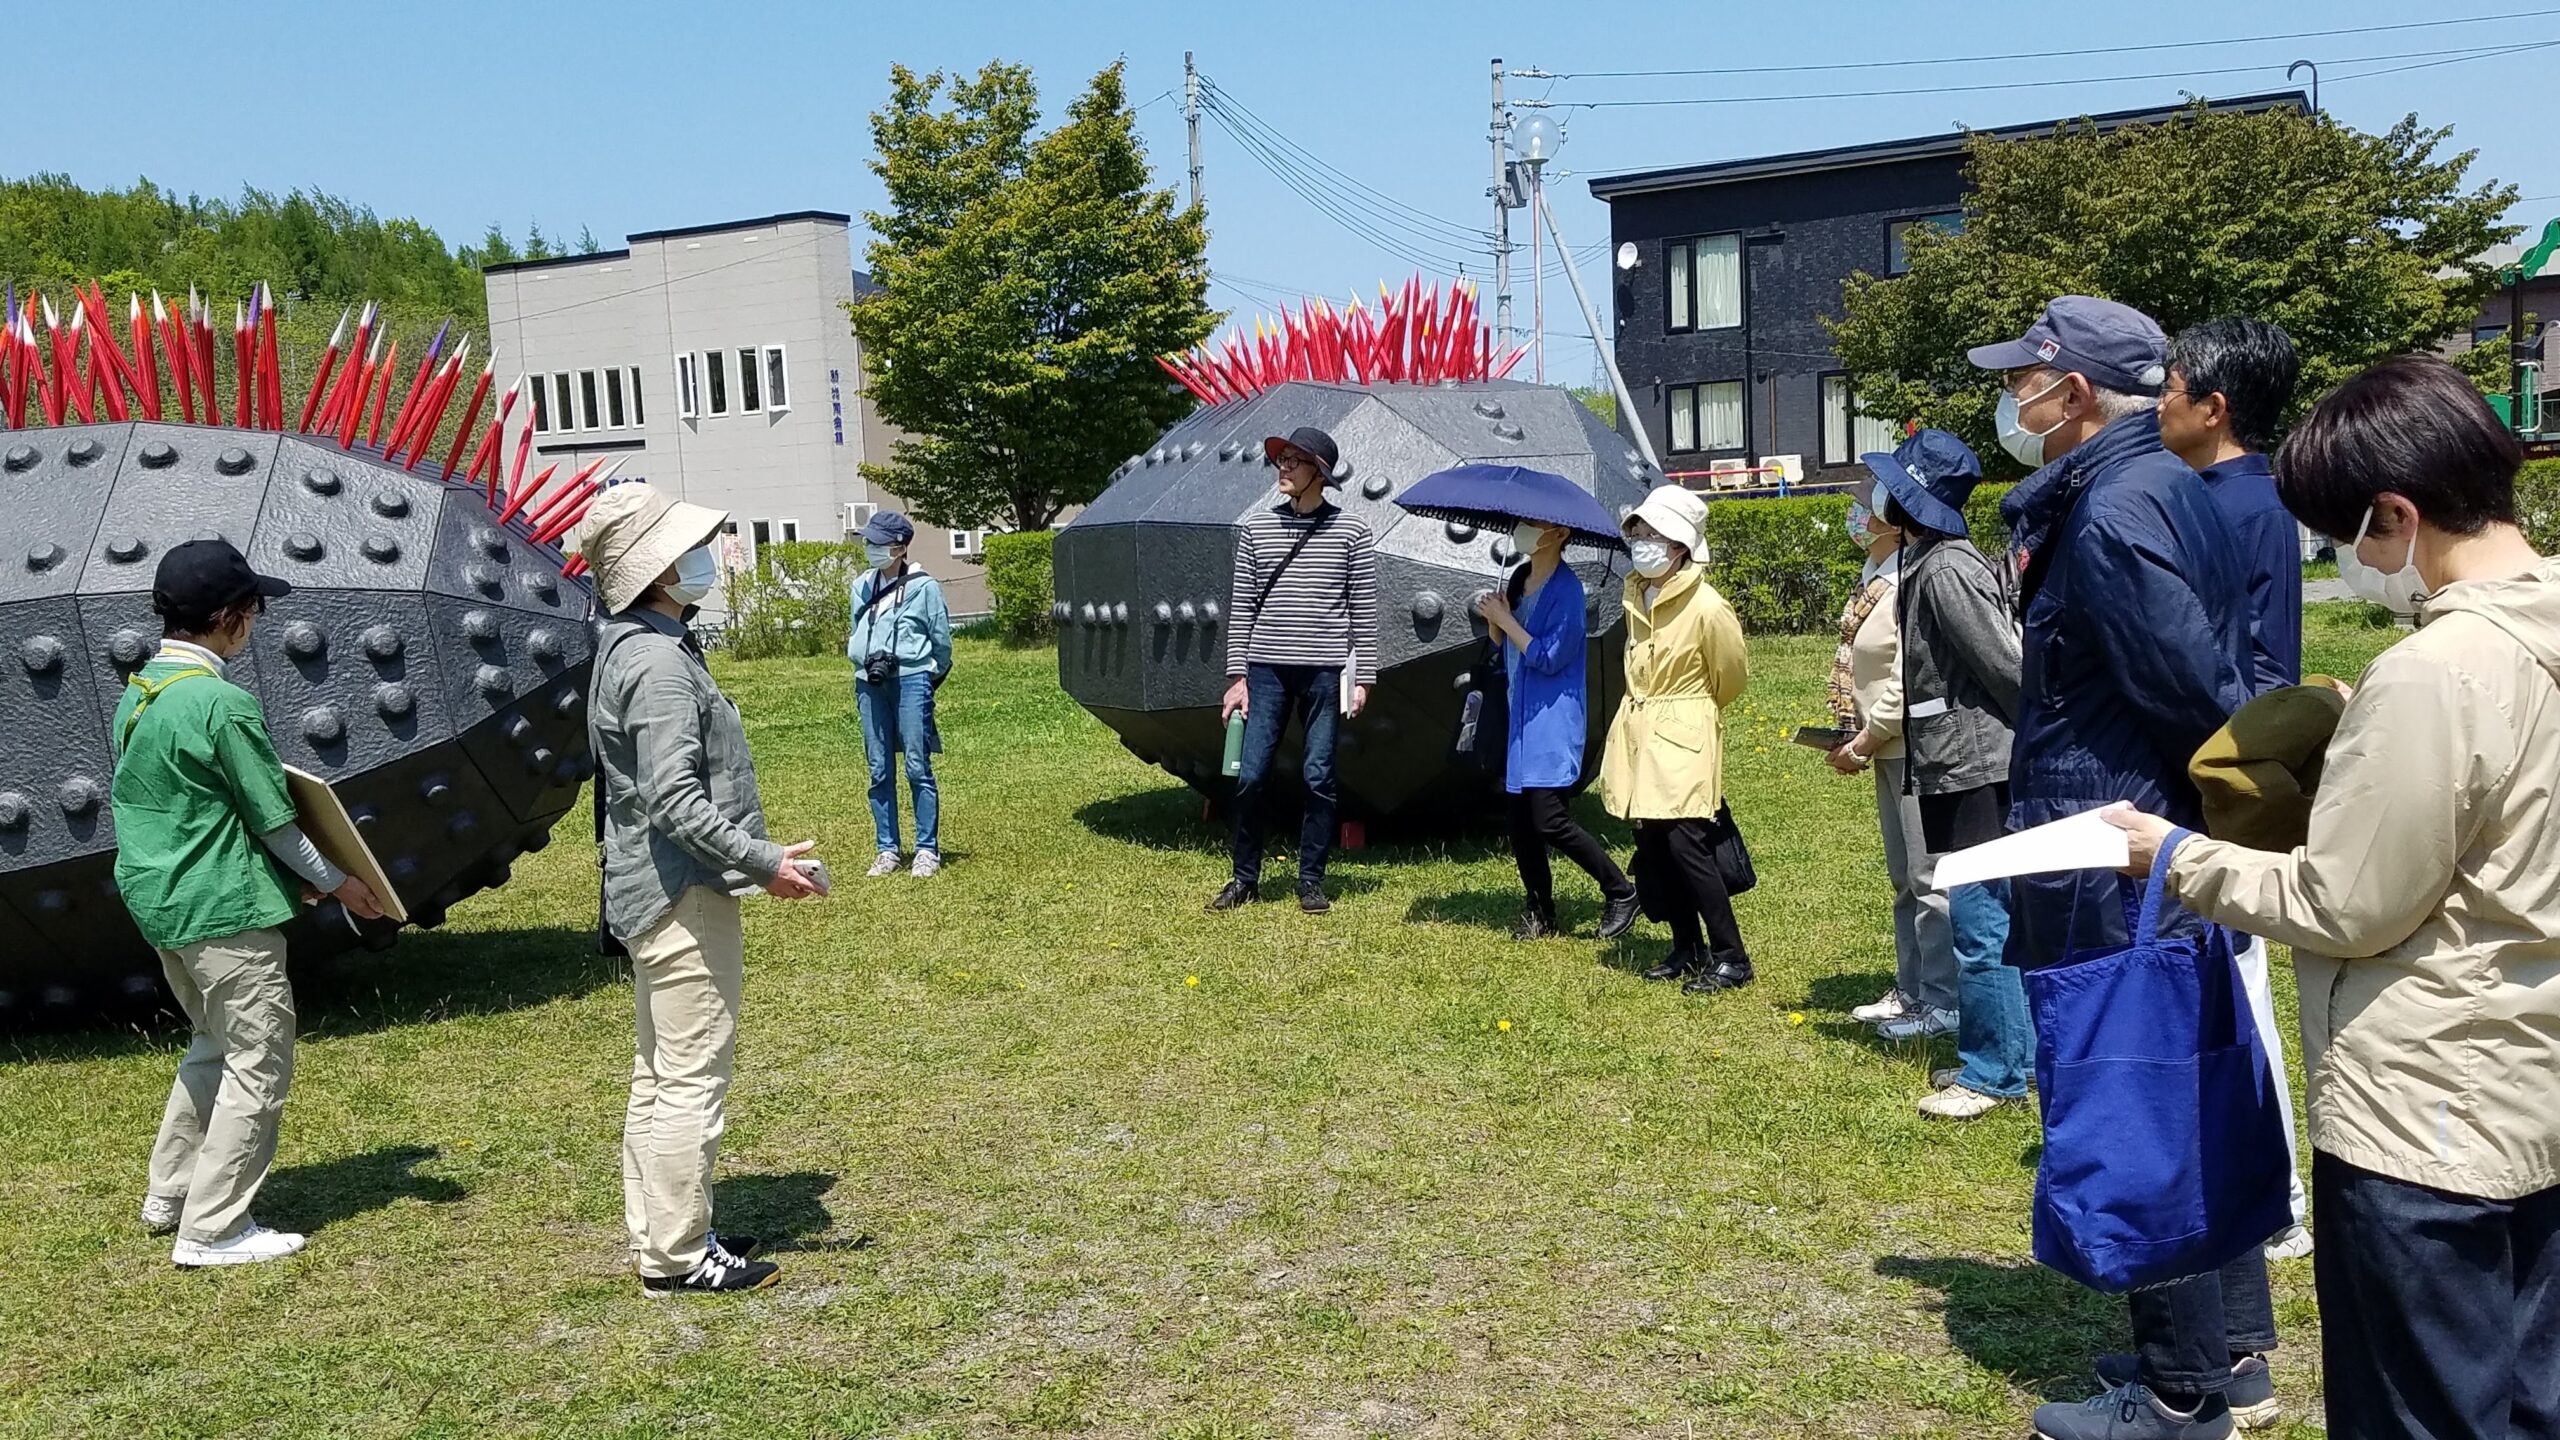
[1177, 818]
[783, 1211]
[2020, 1320]
[312, 1197]
[1841, 993]
[427, 976]
[1500, 910]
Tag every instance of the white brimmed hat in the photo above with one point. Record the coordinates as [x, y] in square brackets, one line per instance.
[634, 534]
[1677, 514]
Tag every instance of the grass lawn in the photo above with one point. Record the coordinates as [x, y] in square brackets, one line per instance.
[1045, 1150]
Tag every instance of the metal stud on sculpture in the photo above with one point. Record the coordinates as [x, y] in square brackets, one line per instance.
[430, 646]
[1416, 392]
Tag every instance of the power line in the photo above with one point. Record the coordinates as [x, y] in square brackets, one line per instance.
[1450, 228]
[2459, 55]
[1330, 203]
[1364, 216]
[2033, 55]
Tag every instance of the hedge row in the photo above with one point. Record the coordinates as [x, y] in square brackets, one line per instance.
[796, 600]
[1020, 582]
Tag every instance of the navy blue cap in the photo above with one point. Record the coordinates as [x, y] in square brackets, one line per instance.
[210, 575]
[1930, 475]
[2116, 346]
[888, 527]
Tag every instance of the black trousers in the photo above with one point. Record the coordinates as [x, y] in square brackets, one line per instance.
[2439, 1313]
[1542, 820]
[1677, 877]
[2186, 1334]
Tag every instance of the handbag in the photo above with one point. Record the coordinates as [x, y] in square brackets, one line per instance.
[1733, 858]
[1484, 716]
[2164, 1153]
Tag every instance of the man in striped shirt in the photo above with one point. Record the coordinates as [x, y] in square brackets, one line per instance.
[1302, 638]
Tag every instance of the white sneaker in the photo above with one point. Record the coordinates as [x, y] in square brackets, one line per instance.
[884, 866]
[1957, 1103]
[1941, 1079]
[1891, 1005]
[160, 1212]
[928, 864]
[254, 1244]
[2293, 1242]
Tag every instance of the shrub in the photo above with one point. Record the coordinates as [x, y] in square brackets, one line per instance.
[1020, 582]
[1786, 566]
[2538, 504]
[796, 600]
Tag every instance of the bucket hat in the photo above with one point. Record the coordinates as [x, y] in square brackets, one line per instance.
[634, 533]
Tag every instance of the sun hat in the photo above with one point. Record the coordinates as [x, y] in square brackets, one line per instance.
[634, 534]
[1318, 445]
[2259, 773]
[1677, 514]
[1931, 474]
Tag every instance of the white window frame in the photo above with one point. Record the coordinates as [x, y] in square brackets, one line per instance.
[639, 417]
[541, 407]
[761, 532]
[590, 402]
[777, 380]
[964, 542]
[790, 532]
[564, 414]
[715, 384]
[617, 408]
[750, 380]
[688, 400]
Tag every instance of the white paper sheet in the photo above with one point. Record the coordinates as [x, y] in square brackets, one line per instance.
[2078, 842]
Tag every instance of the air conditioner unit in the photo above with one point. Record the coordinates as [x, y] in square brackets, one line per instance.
[856, 515]
[1789, 468]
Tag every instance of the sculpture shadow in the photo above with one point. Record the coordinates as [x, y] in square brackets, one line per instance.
[1176, 818]
[2019, 1319]
[312, 1197]
[1579, 915]
[786, 1212]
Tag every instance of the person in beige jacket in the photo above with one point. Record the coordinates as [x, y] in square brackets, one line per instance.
[2424, 915]
[1663, 767]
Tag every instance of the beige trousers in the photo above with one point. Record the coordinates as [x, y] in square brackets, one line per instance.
[218, 1135]
[686, 974]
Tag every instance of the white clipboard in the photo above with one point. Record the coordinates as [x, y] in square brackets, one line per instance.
[332, 831]
[2085, 841]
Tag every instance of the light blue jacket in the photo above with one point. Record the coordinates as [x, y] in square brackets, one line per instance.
[914, 624]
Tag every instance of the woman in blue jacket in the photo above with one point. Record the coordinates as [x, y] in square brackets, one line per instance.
[901, 653]
[1542, 655]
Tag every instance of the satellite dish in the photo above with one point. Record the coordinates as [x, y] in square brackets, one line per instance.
[1627, 255]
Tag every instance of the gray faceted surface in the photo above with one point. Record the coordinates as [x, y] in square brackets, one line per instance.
[1142, 576]
[430, 664]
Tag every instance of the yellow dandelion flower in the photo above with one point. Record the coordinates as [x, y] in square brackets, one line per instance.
[1795, 1017]
[1501, 1024]
[1191, 980]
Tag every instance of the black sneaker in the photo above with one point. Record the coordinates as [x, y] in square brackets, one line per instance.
[1681, 961]
[1729, 975]
[1237, 893]
[1311, 899]
[720, 1273]
[1617, 917]
[744, 1247]
[2251, 1394]
[2132, 1412]
[1535, 925]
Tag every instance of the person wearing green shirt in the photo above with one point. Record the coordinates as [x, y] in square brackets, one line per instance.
[205, 843]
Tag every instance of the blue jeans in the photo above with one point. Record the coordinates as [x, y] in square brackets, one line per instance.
[1995, 1034]
[898, 718]
[1272, 694]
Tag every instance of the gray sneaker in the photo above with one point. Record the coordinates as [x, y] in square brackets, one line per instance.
[928, 864]
[2131, 1413]
[1919, 1026]
[2251, 1394]
[884, 866]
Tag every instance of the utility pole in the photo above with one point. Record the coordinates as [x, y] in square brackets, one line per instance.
[1501, 192]
[1191, 121]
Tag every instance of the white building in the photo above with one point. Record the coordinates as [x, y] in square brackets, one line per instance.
[718, 360]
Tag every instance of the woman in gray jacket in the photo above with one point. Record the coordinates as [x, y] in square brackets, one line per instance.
[683, 834]
[1959, 700]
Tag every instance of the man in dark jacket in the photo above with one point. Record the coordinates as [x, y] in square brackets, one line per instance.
[2136, 648]
[2229, 381]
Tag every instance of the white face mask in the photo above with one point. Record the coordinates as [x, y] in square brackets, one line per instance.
[696, 574]
[2400, 589]
[1652, 557]
[1526, 537]
[2024, 445]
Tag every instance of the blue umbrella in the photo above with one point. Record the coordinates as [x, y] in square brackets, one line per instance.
[1503, 494]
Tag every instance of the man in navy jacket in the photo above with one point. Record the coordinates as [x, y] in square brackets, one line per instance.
[2137, 647]
[2229, 382]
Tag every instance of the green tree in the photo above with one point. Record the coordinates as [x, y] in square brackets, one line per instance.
[1026, 285]
[1600, 400]
[2360, 246]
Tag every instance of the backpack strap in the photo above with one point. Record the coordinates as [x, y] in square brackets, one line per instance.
[151, 691]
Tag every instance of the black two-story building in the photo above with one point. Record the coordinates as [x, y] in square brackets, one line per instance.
[1726, 270]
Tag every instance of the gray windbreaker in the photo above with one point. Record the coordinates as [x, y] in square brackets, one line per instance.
[1959, 668]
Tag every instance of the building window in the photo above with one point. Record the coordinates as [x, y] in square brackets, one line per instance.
[613, 415]
[587, 398]
[1705, 277]
[562, 417]
[962, 541]
[636, 417]
[1706, 417]
[750, 381]
[1846, 433]
[715, 382]
[777, 382]
[1897, 235]
[688, 402]
[790, 531]
[763, 532]
[541, 410]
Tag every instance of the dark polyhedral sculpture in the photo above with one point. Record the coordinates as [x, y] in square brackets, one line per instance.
[431, 664]
[1142, 576]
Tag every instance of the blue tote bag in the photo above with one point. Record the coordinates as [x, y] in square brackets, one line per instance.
[2164, 1151]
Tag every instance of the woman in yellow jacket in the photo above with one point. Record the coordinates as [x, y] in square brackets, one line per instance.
[1664, 766]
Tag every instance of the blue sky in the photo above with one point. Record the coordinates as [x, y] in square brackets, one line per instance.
[640, 115]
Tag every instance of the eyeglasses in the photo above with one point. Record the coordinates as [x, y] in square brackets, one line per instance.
[1295, 462]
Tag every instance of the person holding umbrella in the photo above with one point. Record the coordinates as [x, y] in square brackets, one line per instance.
[1538, 619]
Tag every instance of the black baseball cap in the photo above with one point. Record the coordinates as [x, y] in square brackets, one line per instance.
[2115, 345]
[203, 576]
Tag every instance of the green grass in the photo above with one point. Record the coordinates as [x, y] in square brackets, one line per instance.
[1027, 1178]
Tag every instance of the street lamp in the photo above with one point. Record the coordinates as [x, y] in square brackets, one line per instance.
[1537, 139]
